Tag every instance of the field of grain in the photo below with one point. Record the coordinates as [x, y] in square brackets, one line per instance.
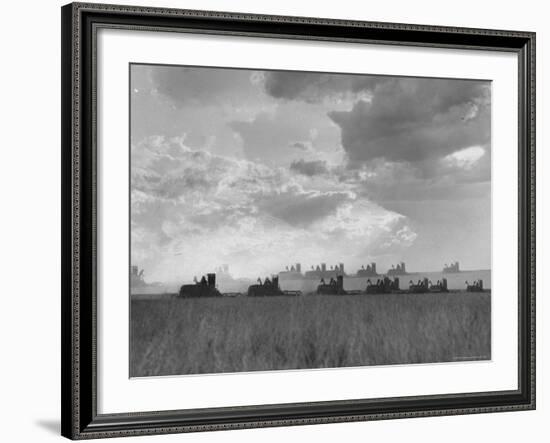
[191, 336]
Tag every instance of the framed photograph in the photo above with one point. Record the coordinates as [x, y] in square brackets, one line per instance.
[273, 221]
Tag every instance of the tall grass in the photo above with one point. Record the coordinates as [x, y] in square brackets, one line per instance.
[190, 336]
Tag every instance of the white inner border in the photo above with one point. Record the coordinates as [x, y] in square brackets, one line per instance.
[118, 393]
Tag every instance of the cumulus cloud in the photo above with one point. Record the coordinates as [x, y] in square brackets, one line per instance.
[192, 210]
[414, 119]
[415, 138]
[465, 158]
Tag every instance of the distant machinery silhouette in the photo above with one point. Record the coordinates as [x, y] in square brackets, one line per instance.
[206, 287]
[476, 286]
[382, 286]
[333, 287]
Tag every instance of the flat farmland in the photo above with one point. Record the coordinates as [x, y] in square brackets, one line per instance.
[170, 336]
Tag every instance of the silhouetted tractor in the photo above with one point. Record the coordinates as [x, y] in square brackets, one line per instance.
[420, 287]
[333, 287]
[382, 286]
[206, 287]
[440, 286]
[267, 288]
[477, 286]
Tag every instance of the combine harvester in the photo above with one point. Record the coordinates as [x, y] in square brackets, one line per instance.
[333, 287]
[453, 268]
[383, 286]
[386, 285]
[440, 286]
[269, 288]
[206, 287]
[369, 271]
[477, 286]
[336, 287]
[400, 269]
[426, 286]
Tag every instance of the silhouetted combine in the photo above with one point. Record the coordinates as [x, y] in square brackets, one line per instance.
[333, 287]
[419, 287]
[398, 270]
[202, 288]
[425, 285]
[440, 286]
[477, 286]
[369, 271]
[453, 268]
[269, 288]
[382, 286]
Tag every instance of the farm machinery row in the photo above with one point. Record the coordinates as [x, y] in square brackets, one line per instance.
[269, 288]
[383, 285]
[386, 285]
[206, 287]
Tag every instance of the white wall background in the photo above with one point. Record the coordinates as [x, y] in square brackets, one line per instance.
[30, 220]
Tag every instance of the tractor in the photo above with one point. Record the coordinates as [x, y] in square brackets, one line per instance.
[382, 286]
[477, 286]
[333, 287]
[420, 287]
[206, 287]
[440, 286]
[267, 288]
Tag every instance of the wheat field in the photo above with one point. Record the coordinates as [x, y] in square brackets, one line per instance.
[196, 336]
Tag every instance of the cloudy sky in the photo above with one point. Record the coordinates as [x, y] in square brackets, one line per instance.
[260, 169]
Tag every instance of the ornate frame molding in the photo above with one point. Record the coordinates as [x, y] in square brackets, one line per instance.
[79, 393]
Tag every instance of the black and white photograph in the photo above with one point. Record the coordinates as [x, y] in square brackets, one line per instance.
[296, 220]
[233, 221]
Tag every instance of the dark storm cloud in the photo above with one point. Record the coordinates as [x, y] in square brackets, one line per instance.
[309, 168]
[412, 119]
[314, 87]
[462, 175]
[287, 84]
[202, 85]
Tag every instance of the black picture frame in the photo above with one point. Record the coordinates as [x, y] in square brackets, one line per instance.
[79, 243]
